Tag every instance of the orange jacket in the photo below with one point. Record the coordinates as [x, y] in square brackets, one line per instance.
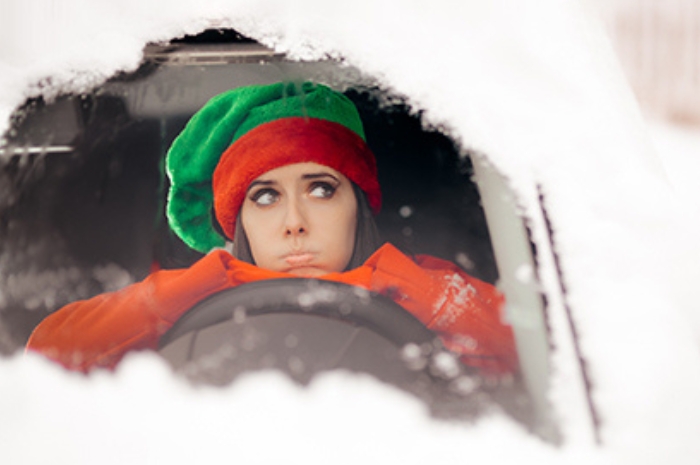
[97, 332]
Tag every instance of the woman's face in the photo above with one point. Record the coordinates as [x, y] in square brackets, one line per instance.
[301, 219]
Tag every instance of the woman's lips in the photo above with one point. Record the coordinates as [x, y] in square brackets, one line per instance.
[300, 259]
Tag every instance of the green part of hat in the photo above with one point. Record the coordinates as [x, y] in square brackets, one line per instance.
[194, 154]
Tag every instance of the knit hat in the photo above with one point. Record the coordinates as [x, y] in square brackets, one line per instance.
[245, 132]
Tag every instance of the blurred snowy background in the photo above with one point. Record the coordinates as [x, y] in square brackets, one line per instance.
[658, 44]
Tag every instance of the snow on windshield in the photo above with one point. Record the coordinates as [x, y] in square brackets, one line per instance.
[535, 87]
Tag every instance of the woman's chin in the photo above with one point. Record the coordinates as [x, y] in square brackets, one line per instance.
[307, 272]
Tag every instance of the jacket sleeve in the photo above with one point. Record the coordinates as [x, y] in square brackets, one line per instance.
[99, 331]
[464, 311]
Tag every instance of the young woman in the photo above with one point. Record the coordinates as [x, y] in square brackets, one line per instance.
[293, 185]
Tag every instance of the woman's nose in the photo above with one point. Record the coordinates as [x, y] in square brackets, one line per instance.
[295, 221]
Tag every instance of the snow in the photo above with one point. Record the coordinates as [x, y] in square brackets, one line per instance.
[142, 416]
[533, 86]
[679, 149]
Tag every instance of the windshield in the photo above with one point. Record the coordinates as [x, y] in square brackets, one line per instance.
[85, 188]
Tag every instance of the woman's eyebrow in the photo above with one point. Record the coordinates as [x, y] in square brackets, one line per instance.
[260, 183]
[319, 175]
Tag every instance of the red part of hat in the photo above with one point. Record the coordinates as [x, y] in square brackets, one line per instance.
[284, 142]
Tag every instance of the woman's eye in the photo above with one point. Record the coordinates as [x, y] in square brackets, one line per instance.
[265, 197]
[322, 190]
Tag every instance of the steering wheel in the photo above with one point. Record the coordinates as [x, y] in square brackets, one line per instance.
[305, 326]
[349, 304]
